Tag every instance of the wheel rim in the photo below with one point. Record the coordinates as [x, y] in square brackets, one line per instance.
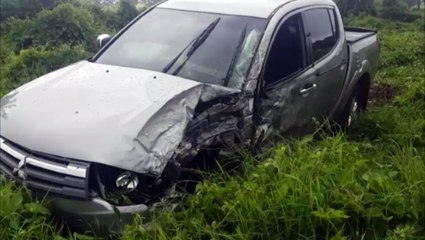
[353, 112]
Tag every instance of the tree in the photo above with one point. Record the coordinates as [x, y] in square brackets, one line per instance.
[412, 3]
[65, 24]
[394, 9]
[17, 32]
[126, 12]
[24, 8]
[355, 7]
[19, 8]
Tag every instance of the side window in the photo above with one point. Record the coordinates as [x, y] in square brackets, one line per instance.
[321, 31]
[287, 53]
[334, 23]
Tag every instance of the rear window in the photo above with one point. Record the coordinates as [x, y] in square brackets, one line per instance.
[322, 31]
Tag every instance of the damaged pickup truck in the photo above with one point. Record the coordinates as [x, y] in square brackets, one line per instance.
[183, 81]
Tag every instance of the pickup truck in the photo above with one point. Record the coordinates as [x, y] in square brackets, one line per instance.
[186, 80]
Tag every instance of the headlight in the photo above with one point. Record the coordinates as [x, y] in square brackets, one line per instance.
[127, 182]
[123, 187]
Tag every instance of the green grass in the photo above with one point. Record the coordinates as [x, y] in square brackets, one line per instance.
[368, 184]
[20, 216]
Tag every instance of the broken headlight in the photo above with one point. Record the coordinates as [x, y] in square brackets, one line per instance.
[122, 187]
[127, 182]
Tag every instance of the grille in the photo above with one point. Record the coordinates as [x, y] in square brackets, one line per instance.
[40, 172]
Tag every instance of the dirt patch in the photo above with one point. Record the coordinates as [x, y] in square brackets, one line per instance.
[381, 94]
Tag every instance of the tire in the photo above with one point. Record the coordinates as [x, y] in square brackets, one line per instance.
[354, 107]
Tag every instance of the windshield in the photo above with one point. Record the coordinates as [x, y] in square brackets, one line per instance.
[204, 47]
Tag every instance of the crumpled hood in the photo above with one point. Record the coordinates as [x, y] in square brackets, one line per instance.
[128, 118]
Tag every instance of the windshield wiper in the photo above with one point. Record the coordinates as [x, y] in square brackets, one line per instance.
[234, 57]
[194, 45]
[174, 60]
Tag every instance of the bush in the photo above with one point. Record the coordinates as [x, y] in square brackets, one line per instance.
[356, 7]
[393, 36]
[65, 24]
[17, 32]
[23, 8]
[19, 8]
[117, 18]
[21, 217]
[397, 10]
[34, 62]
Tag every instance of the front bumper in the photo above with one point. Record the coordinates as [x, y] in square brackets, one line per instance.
[94, 215]
[62, 184]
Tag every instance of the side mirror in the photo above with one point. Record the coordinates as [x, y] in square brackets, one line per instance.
[102, 40]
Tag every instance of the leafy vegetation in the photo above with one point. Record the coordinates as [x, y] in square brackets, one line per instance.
[52, 34]
[350, 7]
[389, 9]
[367, 184]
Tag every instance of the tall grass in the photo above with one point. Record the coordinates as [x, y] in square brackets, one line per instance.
[333, 188]
[20, 216]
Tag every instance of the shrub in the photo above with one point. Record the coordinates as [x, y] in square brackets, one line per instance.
[117, 18]
[24, 8]
[17, 32]
[397, 10]
[34, 62]
[19, 8]
[21, 217]
[65, 24]
[356, 7]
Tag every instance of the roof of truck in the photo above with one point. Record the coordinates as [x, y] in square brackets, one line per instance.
[253, 8]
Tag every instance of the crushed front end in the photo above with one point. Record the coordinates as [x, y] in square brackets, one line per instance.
[88, 196]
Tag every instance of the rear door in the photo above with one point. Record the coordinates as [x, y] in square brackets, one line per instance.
[329, 55]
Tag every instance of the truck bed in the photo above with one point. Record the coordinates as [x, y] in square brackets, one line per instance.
[353, 34]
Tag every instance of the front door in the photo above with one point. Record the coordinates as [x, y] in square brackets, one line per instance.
[289, 81]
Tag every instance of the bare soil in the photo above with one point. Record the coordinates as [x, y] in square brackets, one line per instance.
[380, 94]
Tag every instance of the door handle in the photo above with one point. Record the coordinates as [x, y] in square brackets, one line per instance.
[307, 88]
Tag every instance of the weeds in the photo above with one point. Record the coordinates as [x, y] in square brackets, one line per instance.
[20, 216]
[306, 190]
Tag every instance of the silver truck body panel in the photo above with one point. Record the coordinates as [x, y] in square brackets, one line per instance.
[127, 118]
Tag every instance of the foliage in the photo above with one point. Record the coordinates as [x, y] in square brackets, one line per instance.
[54, 37]
[17, 33]
[356, 7]
[118, 18]
[412, 3]
[396, 10]
[33, 62]
[312, 190]
[23, 8]
[65, 24]
[20, 216]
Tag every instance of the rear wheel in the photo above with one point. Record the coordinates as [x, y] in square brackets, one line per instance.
[353, 108]
[354, 111]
